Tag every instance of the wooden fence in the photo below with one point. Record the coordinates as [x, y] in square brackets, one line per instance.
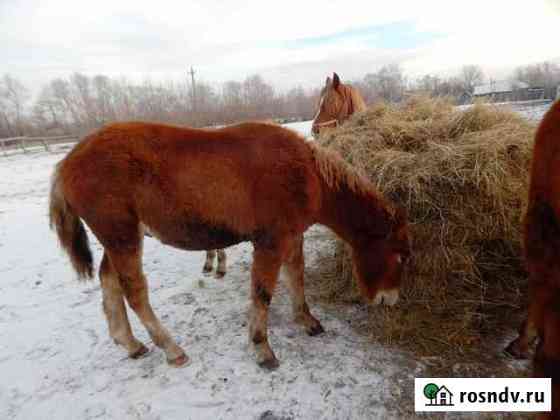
[25, 142]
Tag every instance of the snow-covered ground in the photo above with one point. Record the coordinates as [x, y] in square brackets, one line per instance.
[531, 110]
[57, 360]
[303, 127]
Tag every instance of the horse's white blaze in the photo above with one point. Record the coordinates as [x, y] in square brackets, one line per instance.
[387, 297]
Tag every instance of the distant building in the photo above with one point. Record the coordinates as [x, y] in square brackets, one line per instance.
[507, 91]
[464, 98]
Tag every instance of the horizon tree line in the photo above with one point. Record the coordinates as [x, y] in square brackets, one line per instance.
[80, 103]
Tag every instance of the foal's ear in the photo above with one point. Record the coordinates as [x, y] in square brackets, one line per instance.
[328, 81]
[336, 81]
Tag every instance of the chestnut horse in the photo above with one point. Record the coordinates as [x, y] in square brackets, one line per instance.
[336, 104]
[542, 255]
[208, 189]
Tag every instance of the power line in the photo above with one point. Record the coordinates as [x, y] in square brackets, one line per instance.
[193, 86]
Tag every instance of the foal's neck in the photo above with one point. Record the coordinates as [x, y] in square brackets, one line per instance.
[350, 205]
[351, 213]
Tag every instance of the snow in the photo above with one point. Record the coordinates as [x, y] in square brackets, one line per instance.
[58, 361]
[303, 127]
[533, 110]
[498, 87]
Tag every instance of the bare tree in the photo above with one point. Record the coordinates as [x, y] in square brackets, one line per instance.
[102, 91]
[81, 102]
[545, 75]
[258, 97]
[48, 112]
[13, 97]
[435, 86]
[232, 101]
[388, 83]
[471, 76]
[429, 84]
[298, 104]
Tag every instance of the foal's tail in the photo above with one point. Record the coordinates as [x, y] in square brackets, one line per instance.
[70, 229]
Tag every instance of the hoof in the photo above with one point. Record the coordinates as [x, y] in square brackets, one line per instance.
[269, 364]
[315, 330]
[139, 353]
[220, 274]
[514, 351]
[179, 361]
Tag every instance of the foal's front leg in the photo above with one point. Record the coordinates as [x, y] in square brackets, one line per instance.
[294, 267]
[264, 274]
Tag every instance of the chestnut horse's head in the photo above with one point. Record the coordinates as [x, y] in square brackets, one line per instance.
[336, 104]
[379, 261]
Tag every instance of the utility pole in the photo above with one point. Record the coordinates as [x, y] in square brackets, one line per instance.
[191, 72]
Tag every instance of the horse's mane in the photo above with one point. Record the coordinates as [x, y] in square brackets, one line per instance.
[337, 174]
[358, 102]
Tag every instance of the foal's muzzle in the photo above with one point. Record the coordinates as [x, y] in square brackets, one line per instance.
[386, 297]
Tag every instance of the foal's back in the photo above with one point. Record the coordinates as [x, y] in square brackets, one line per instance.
[194, 189]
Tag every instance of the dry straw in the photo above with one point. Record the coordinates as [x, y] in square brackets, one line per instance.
[463, 177]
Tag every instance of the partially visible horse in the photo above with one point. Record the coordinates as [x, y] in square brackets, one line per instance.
[546, 362]
[269, 186]
[337, 103]
[209, 263]
[542, 255]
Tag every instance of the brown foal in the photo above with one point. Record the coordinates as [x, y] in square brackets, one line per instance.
[270, 186]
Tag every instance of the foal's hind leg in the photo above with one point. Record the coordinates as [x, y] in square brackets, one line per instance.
[133, 282]
[294, 268]
[221, 271]
[264, 274]
[115, 310]
[210, 255]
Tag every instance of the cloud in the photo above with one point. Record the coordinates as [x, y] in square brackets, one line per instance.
[291, 40]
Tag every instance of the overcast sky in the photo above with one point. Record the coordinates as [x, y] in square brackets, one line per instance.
[288, 42]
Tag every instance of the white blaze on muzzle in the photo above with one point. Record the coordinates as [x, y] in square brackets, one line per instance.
[387, 297]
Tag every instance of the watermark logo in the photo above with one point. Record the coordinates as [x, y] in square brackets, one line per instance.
[482, 394]
[439, 396]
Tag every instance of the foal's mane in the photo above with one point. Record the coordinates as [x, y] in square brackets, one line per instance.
[337, 174]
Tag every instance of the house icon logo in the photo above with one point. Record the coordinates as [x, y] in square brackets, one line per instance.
[439, 396]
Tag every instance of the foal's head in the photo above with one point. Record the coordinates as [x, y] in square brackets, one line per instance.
[335, 104]
[379, 261]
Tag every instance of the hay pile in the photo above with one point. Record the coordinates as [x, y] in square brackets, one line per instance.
[463, 176]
